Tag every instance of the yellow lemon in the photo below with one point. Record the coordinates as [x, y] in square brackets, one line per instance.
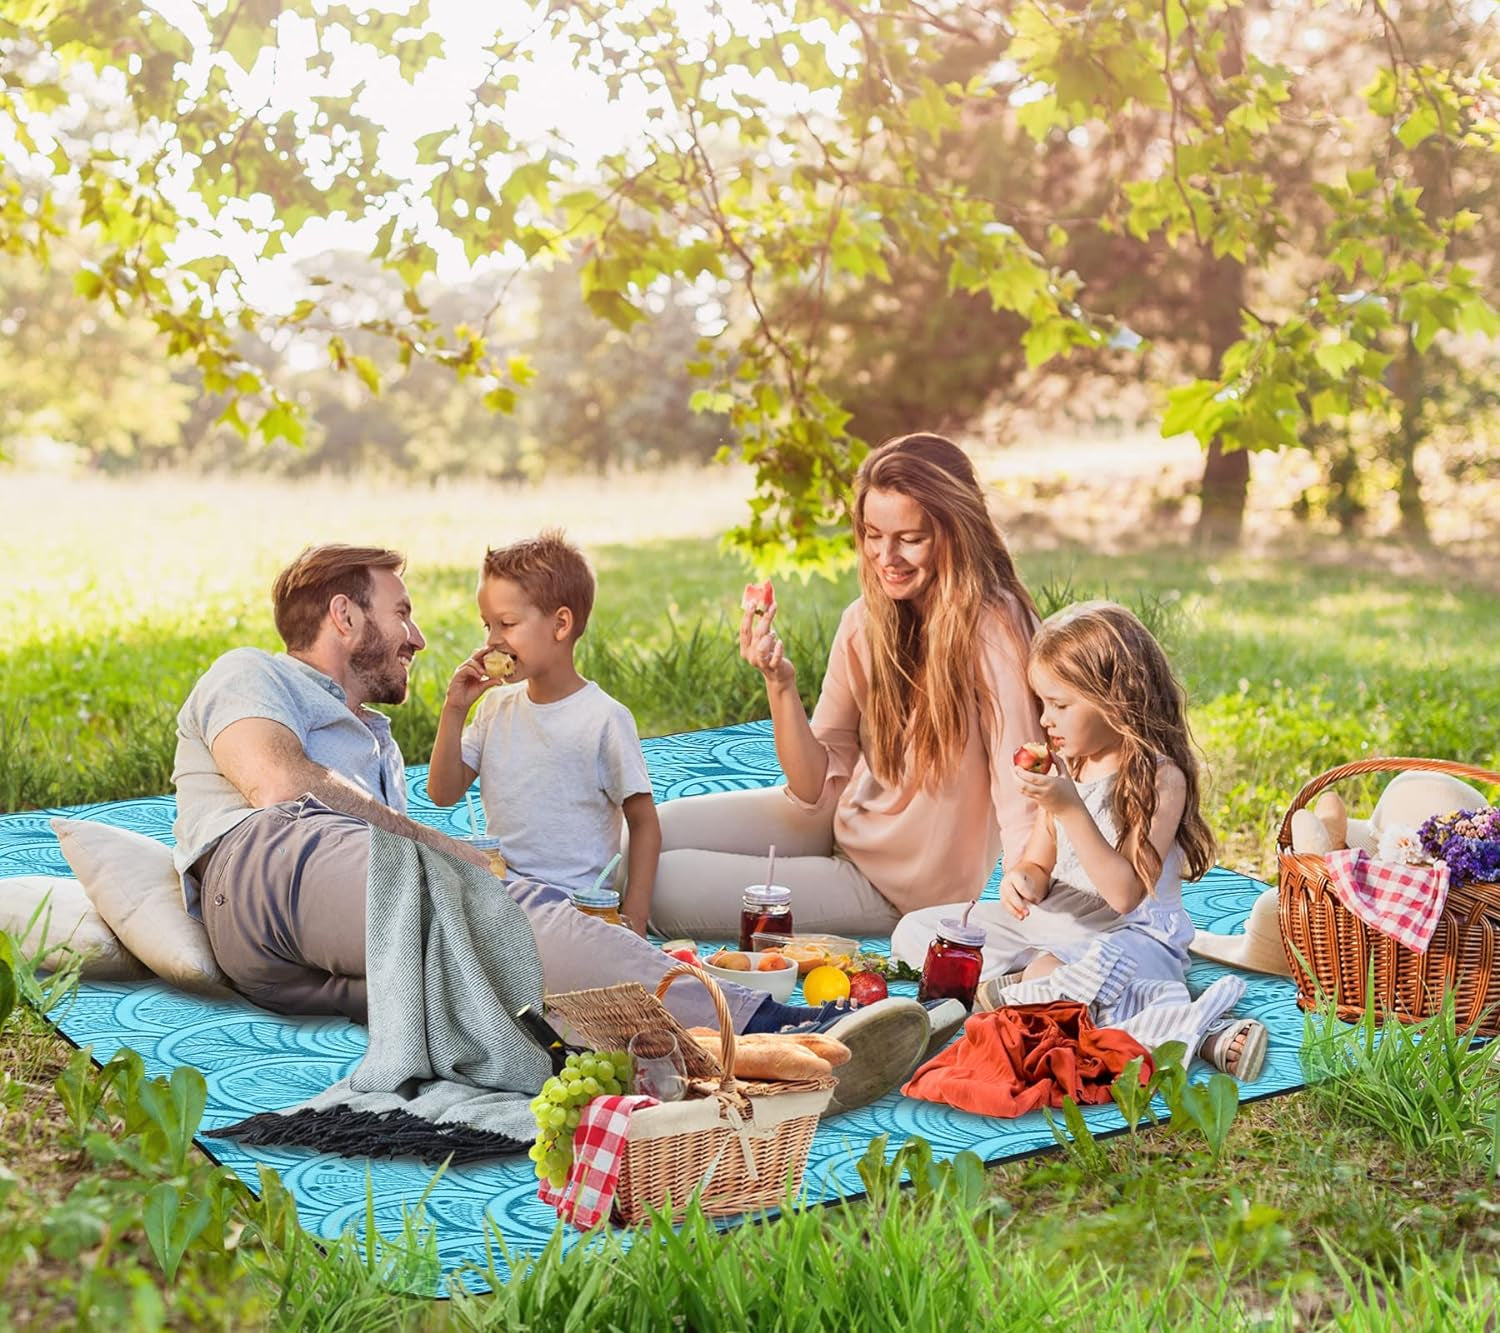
[823, 984]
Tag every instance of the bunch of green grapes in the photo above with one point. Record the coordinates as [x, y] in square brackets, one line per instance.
[558, 1107]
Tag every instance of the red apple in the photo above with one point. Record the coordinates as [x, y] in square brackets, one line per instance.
[757, 597]
[1034, 757]
[867, 987]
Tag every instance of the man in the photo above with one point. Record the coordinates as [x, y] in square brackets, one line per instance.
[282, 766]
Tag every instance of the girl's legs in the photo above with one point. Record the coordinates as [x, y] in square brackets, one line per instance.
[1063, 926]
[713, 846]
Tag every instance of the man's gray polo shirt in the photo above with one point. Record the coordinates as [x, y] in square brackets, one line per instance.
[249, 682]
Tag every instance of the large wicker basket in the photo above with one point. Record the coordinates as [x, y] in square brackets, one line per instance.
[1321, 934]
[736, 1144]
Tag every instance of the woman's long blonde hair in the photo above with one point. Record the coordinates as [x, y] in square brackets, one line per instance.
[1102, 651]
[924, 662]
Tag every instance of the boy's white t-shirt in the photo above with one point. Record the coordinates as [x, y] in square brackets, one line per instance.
[552, 778]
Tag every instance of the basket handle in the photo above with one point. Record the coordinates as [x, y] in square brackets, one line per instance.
[1397, 762]
[721, 1009]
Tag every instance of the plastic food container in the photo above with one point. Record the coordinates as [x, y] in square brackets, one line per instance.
[808, 951]
[778, 984]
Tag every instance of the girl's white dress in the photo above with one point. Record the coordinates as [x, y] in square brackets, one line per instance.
[1131, 970]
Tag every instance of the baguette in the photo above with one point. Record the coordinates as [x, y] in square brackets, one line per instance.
[779, 1057]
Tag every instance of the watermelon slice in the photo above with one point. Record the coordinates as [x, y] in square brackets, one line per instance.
[757, 597]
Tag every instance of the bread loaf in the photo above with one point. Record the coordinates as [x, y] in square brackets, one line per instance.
[779, 1056]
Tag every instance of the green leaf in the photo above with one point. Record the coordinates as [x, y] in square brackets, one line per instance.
[170, 1230]
[1421, 124]
[1328, 404]
[1040, 116]
[282, 421]
[7, 991]
[1190, 409]
[613, 307]
[1339, 358]
[367, 371]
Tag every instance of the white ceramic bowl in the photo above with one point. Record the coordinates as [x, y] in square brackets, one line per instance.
[778, 984]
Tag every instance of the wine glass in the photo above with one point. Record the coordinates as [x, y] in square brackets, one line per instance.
[660, 1071]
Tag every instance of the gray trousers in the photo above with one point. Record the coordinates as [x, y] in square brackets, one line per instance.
[283, 899]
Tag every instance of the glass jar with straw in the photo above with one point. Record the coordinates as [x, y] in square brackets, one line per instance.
[766, 909]
[600, 901]
[481, 842]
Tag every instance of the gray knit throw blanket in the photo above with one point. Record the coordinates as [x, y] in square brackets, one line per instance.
[447, 1074]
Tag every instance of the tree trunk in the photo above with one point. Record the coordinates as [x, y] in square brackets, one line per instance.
[1226, 486]
[1406, 381]
[1226, 473]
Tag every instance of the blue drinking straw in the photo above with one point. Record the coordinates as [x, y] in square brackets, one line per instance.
[608, 870]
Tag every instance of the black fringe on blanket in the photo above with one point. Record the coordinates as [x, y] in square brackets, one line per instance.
[350, 1133]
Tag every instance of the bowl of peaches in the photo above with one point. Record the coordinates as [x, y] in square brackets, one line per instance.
[773, 973]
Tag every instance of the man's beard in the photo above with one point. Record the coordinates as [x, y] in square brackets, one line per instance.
[376, 661]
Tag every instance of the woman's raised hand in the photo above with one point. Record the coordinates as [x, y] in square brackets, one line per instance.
[761, 646]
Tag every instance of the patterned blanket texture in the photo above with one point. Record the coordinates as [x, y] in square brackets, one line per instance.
[259, 1062]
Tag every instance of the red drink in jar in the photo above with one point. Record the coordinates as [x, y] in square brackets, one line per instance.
[953, 963]
[767, 910]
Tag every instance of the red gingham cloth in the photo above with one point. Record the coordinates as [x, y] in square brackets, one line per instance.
[1398, 900]
[598, 1146]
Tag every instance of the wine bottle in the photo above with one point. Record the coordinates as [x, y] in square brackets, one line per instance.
[531, 1021]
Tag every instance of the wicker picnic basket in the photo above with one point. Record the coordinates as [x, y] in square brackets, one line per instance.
[737, 1143]
[1341, 950]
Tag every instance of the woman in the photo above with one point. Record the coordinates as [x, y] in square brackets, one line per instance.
[901, 791]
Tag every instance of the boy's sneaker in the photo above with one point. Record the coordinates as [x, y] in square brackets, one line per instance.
[885, 1040]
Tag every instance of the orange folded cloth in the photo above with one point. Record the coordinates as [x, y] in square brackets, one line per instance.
[1024, 1056]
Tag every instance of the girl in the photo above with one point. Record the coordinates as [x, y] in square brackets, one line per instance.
[900, 791]
[1092, 908]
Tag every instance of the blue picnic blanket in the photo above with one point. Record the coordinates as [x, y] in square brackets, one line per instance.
[258, 1061]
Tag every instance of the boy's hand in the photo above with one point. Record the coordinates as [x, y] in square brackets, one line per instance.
[761, 646]
[1020, 888]
[469, 682]
[1053, 792]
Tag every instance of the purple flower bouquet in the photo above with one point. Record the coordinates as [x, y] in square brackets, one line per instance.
[1467, 841]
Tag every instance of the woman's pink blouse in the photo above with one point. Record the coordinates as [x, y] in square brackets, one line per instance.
[938, 845]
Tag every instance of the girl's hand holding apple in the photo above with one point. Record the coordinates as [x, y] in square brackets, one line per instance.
[1053, 792]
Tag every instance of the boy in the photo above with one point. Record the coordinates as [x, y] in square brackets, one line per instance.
[558, 761]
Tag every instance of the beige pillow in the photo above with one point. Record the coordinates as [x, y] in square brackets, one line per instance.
[48, 912]
[134, 886]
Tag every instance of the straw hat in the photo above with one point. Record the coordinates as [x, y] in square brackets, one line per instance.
[1258, 949]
